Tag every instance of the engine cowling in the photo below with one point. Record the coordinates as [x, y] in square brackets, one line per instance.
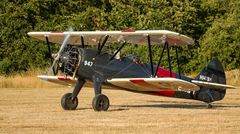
[69, 60]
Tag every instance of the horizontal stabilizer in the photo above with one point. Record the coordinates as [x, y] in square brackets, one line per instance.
[211, 85]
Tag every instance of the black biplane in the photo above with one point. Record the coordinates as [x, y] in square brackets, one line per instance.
[82, 66]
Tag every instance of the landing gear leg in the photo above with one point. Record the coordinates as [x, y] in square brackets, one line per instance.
[100, 102]
[69, 101]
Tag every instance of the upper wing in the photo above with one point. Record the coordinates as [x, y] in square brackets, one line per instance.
[153, 84]
[212, 85]
[134, 37]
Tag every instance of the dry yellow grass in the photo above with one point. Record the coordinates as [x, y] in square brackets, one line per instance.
[233, 77]
[29, 105]
[25, 80]
[39, 111]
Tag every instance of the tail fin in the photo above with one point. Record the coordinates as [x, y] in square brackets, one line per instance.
[213, 73]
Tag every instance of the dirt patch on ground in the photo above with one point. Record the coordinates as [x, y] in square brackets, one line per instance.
[39, 111]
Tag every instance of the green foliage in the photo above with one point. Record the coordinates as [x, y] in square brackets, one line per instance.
[214, 24]
[223, 38]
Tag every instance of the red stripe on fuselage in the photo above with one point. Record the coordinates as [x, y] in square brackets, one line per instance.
[164, 73]
[165, 93]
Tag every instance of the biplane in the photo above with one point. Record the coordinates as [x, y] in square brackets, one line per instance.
[82, 66]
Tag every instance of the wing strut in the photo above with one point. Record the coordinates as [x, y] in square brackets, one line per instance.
[100, 46]
[150, 53]
[82, 42]
[49, 50]
[160, 59]
[178, 63]
[56, 59]
[169, 59]
[119, 49]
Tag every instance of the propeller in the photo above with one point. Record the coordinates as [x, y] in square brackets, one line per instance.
[56, 59]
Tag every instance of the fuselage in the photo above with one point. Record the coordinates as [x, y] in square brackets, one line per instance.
[92, 63]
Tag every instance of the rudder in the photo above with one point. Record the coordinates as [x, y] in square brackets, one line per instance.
[214, 73]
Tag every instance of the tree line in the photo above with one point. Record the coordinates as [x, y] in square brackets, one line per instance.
[213, 24]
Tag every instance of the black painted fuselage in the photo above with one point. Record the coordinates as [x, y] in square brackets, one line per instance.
[103, 66]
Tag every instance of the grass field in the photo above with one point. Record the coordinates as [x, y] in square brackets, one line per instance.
[38, 110]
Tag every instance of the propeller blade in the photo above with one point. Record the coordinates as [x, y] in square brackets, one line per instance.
[64, 43]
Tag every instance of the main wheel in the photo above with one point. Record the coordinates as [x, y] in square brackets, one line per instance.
[68, 103]
[100, 103]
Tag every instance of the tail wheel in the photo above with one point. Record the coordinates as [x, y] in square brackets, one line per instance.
[69, 103]
[100, 103]
[209, 106]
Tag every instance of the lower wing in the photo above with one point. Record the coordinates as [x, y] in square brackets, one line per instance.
[67, 81]
[154, 84]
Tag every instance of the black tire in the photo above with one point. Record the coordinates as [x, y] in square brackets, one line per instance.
[100, 103]
[68, 103]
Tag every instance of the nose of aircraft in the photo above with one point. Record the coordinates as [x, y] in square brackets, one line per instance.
[69, 60]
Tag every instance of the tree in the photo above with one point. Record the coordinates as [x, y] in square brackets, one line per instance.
[209, 22]
[223, 38]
